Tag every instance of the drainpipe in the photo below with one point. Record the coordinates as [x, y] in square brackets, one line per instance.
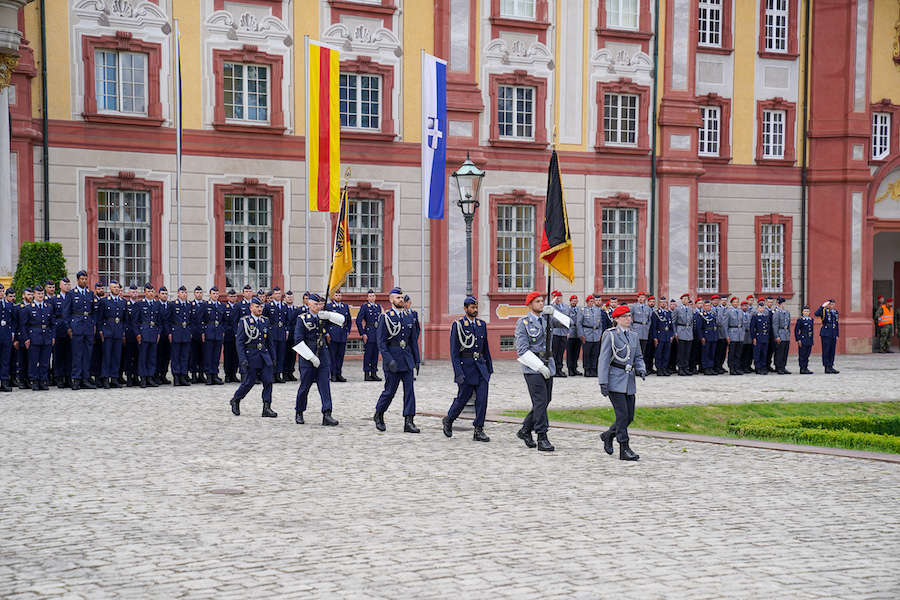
[653, 289]
[44, 124]
[803, 169]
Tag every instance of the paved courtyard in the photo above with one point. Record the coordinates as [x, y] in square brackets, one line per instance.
[161, 493]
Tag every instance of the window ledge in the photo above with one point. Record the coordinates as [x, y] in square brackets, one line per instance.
[122, 119]
[368, 136]
[504, 143]
[241, 128]
[715, 159]
[627, 34]
[375, 9]
[630, 150]
[877, 162]
[778, 55]
[521, 23]
[781, 162]
[714, 50]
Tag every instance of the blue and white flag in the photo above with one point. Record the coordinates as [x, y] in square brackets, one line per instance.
[434, 134]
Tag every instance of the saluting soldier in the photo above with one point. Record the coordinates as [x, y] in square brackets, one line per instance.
[399, 348]
[338, 334]
[366, 323]
[781, 332]
[559, 333]
[759, 332]
[828, 333]
[733, 319]
[78, 311]
[255, 357]
[112, 333]
[39, 331]
[803, 333]
[661, 334]
[275, 311]
[229, 350]
[684, 334]
[148, 326]
[195, 359]
[620, 360]
[8, 325]
[180, 337]
[470, 356]
[590, 327]
[291, 312]
[708, 329]
[315, 361]
[212, 332]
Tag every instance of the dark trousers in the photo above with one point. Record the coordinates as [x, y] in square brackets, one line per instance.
[163, 355]
[62, 356]
[559, 349]
[5, 351]
[248, 379]
[391, 383]
[463, 393]
[573, 349]
[721, 351]
[39, 362]
[112, 357]
[195, 360]
[673, 355]
[212, 350]
[321, 376]
[541, 392]
[229, 357]
[280, 346]
[591, 357]
[828, 346]
[180, 353]
[81, 355]
[781, 354]
[22, 359]
[746, 355]
[760, 349]
[370, 355]
[131, 355]
[770, 352]
[708, 354]
[337, 351]
[96, 356]
[661, 354]
[684, 355]
[623, 406]
[648, 351]
[147, 358]
[696, 354]
[734, 356]
[290, 357]
[803, 353]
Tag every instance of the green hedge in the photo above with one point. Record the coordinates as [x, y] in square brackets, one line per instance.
[882, 433]
[38, 262]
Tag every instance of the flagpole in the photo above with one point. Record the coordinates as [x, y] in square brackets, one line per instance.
[422, 175]
[178, 149]
[341, 216]
[306, 158]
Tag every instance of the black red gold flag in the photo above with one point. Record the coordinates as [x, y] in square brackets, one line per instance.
[556, 242]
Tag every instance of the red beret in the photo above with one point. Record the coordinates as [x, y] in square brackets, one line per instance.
[743, 302]
[750, 297]
[573, 297]
[688, 296]
[642, 293]
[715, 297]
[619, 311]
[556, 294]
[881, 297]
[589, 298]
[531, 297]
[733, 298]
[890, 299]
[651, 298]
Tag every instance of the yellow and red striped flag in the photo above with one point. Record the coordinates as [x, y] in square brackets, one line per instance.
[323, 128]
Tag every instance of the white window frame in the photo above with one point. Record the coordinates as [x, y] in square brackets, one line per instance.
[517, 98]
[708, 257]
[709, 23]
[518, 9]
[771, 257]
[245, 228]
[516, 247]
[138, 225]
[245, 93]
[777, 21]
[774, 133]
[366, 237]
[618, 125]
[619, 249]
[881, 135]
[709, 140]
[359, 88]
[99, 80]
[617, 11]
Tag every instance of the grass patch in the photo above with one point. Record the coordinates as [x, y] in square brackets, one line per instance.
[834, 424]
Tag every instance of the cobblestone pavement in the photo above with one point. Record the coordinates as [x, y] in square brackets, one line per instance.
[163, 494]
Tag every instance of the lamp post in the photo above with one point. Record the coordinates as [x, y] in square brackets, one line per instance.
[468, 180]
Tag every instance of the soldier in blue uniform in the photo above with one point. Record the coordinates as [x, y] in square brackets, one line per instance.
[733, 320]
[803, 333]
[97, 348]
[759, 333]
[212, 333]
[338, 334]
[275, 311]
[470, 355]
[179, 328]
[9, 322]
[366, 322]
[195, 358]
[255, 352]
[229, 350]
[781, 334]
[148, 327]
[590, 327]
[828, 333]
[708, 329]
[39, 330]
[747, 307]
[112, 334]
[21, 354]
[164, 347]
[132, 348]
[399, 348]
[78, 312]
[55, 303]
[683, 321]
[417, 325]
[661, 334]
[310, 334]
[291, 313]
[62, 348]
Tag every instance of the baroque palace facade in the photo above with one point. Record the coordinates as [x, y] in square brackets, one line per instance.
[767, 181]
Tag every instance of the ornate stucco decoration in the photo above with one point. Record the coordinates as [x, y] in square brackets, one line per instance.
[128, 15]
[247, 27]
[519, 53]
[362, 40]
[896, 44]
[8, 63]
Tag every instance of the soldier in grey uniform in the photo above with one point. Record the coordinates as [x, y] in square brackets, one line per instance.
[733, 320]
[560, 334]
[683, 321]
[590, 328]
[781, 334]
[640, 324]
[573, 344]
[747, 346]
[718, 309]
[620, 360]
[538, 367]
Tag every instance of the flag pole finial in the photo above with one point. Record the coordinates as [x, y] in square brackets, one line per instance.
[555, 136]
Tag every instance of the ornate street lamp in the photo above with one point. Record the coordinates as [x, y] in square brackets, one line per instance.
[468, 180]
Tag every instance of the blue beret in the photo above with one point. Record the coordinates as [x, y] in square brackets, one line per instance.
[48, 282]
[780, 300]
[805, 307]
[276, 289]
[289, 293]
[231, 292]
[182, 289]
[98, 285]
[315, 297]
[831, 300]
[113, 281]
[306, 294]
[406, 297]
[132, 287]
[470, 300]
[396, 290]
[163, 289]
[214, 289]
[65, 279]
[198, 289]
[613, 298]
[260, 292]
[81, 273]
[371, 291]
[255, 301]
[10, 292]
[148, 286]
[1, 285]
[247, 287]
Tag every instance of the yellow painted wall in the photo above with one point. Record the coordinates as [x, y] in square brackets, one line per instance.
[59, 104]
[418, 27]
[190, 28]
[306, 22]
[743, 105]
[885, 73]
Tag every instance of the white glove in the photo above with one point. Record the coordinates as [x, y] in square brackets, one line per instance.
[334, 317]
[548, 309]
[315, 361]
[545, 371]
[531, 360]
[304, 351]
[562, 318]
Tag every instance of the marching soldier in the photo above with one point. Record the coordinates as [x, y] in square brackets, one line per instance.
[661, 333]
[275, 311]
[399, 350]
[733, 319]
[759, 332]
[291, 313]
[338, 335]
[164, 348]
[366, 323]
[180, 337]
[620, 360]
[781, 333]
[255, 356]
[147, 325]
[229, 352]
[195, 359]
[212, 331]
[884, 320]
[828, 333]
[8, 325]
[684, 334]
[560, 334]
[803, 333]
[708, 330]
[112, 335]
[573, 343]
[315, 362]
[590, 328]
[470, 357]
[39, 330]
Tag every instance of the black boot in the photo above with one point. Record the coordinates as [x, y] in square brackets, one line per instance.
[480, 435]
[210, 381]
[86, 384]
[36, 386]
[327, 419]
[625, 452]
[805, 372]
[367, 376]
[122, 381]
[409, 426]
[832, 371]
[340, 378]
[105, 383]
[193, 378]
[607, 438]
[235, 407]
[45, 385]
[76, 384]
[216, 380]
[525, 435]
[4, 386]
[375, 377]
[278, 378]
[447, 424]
[152, 382]
[113, 383]
[379, 421]
[543, 444]
[289, 377]
[185, 381]
[267, 410]
[298, 417]
[201, 378]
[229, 378]
[143, 382]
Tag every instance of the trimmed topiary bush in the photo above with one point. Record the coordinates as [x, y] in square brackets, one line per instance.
[38, 262]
